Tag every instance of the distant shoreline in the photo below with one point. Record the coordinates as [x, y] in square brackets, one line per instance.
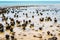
[12, 6]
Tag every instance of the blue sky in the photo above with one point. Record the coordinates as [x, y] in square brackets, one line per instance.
[29, 0]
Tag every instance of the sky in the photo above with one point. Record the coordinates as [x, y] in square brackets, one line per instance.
[9, 3]
[29, 0]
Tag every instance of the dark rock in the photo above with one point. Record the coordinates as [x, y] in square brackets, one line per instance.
[55, 20]
[29, 21]
[11, 29]
[7, 37]
[41, 19]
[41, 14]
[8, 27]
[48, 32]
[50, 39]
[40, 28]
[1, 28]
[54, 38]
[12, 23]
[12, 37]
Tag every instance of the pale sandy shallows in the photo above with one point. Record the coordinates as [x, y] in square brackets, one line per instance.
[31, 23]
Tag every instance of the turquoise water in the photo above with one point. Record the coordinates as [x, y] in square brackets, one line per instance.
[11, 3]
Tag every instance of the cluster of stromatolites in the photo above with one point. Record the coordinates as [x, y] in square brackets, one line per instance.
[29, 23]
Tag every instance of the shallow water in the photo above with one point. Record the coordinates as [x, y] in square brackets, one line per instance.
[30, 32]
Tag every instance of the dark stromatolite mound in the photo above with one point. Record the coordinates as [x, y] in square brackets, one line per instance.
[53, 38]
[3, 10]
[1, 28]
